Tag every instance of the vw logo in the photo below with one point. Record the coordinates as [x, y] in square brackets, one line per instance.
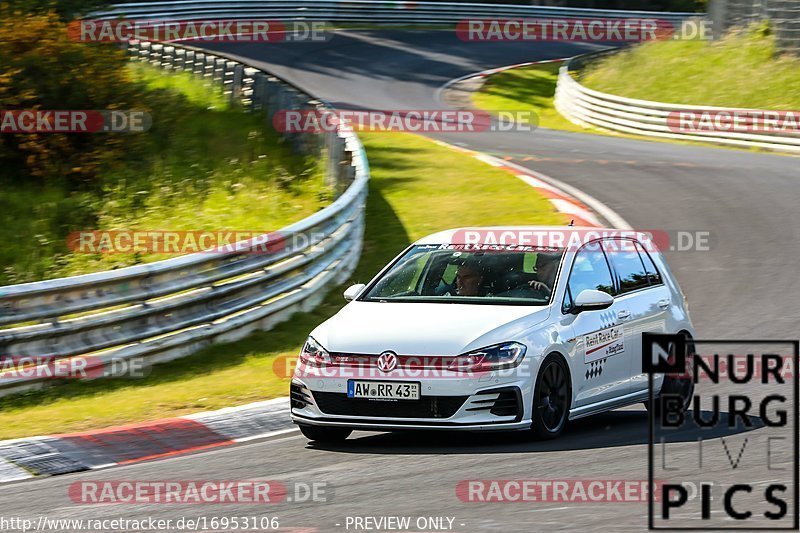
[387, 361]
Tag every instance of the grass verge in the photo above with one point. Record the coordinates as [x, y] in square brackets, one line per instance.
[204, 165]
[530, 88]
[742, 70]
[407, 173]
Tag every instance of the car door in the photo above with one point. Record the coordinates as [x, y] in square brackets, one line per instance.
[598, 336]
[644, 296]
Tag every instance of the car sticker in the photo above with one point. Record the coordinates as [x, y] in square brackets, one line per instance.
[603, 343]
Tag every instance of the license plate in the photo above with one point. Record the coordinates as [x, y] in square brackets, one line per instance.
[382, 390]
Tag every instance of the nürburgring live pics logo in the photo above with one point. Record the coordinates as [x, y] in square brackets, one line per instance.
[730, 462]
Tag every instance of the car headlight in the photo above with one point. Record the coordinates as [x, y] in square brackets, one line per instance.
[314, 354]
[498, 357]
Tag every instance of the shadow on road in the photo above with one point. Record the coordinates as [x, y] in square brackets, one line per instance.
[607, 430]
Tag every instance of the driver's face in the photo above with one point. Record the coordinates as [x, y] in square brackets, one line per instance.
[468, 281]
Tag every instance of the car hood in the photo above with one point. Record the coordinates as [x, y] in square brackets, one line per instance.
[424, 328]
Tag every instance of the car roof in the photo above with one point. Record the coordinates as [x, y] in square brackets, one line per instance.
[447, 236]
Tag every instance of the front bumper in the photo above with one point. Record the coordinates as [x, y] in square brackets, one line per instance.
[487, 408]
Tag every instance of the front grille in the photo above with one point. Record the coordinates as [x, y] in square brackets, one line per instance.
[407, 362]
[333, 403]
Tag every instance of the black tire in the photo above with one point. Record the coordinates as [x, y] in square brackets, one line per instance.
[677, 385]
[552, 396]
[325, 434]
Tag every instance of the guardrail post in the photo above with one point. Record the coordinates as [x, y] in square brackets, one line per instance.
[257, 97]
[168, 58]
[218, 72]
[134, 48]
[179, 59]
[188, 61]
[272, 89]
[208, 68]
[145, 48]
[236, 83]
[156, 53]
[198, 68]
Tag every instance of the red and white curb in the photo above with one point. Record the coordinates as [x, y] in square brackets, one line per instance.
[579, 207]
[97, 449]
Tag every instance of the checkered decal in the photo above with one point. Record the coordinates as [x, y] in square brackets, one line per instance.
[608, 319]
[595, 368]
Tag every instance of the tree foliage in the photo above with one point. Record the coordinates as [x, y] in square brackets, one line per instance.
[66, 9]
[42, 69]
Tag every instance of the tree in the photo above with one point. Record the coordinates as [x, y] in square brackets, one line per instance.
[42, 69]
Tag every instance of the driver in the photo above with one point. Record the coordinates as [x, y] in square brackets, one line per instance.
[546, 268]
[469, 279]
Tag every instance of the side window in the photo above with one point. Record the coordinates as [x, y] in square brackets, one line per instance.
[649, 266]
[589, 271]
[628, 265]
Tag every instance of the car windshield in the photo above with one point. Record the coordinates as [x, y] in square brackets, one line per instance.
[452, 273]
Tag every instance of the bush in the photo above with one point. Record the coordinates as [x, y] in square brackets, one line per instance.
[66, 9]
[41, 68]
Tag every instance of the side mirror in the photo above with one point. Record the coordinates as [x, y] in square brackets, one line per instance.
[592, 300]
[352, 291]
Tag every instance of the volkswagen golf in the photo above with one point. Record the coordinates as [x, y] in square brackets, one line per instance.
[510, 328]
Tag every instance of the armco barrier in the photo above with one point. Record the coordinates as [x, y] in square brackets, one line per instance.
[169, 309]
[587, 107]
[370, 11]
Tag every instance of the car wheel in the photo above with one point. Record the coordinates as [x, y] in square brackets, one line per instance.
[677, 385]
[325, 434]
[552, 396]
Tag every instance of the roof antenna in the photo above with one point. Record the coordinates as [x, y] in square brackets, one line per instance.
[571, 222]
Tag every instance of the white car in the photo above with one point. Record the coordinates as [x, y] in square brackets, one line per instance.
[456, 334]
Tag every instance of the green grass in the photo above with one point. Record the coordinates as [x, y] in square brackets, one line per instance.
[742, 70]
[207, 165]
[525, 89]
[682, 72]
[406, 170]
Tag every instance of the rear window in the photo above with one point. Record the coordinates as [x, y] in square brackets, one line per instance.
[649, 266]
[628, 266]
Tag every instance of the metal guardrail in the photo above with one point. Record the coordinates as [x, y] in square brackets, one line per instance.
[169, 309]
[391, 11]
[586, 107]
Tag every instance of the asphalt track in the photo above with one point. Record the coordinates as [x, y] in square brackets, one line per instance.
[745, 287]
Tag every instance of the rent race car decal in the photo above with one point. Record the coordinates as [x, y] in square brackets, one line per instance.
[604, 343]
